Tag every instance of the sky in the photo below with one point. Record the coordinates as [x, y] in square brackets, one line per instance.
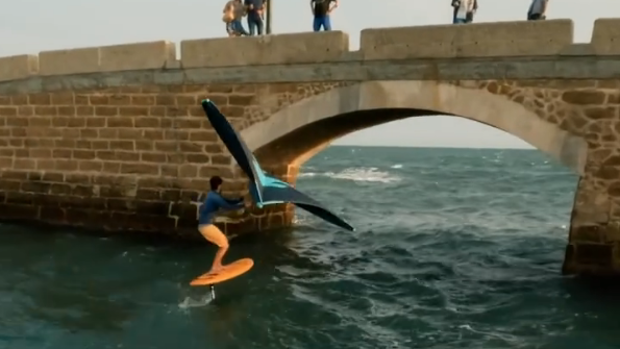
[32, 26]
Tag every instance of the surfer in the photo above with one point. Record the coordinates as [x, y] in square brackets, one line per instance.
[212, 204]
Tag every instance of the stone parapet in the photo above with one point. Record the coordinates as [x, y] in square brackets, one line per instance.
[478, 40]
[18, 67]
[505, 39]
[265, 50]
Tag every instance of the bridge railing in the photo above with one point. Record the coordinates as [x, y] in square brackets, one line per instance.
[502, 39]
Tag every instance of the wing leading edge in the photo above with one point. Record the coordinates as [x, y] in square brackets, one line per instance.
[237, 148]
[265, 190]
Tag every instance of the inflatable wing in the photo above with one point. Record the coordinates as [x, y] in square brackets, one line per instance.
[264, 189]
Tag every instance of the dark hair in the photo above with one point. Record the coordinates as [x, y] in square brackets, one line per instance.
[215, 182]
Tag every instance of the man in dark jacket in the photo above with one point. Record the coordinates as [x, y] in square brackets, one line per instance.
[255, 20]
[321, 9]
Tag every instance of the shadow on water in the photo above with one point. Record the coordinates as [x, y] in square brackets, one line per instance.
[593, 294]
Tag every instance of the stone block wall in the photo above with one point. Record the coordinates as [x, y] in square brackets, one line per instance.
[100, 158]
[130, 157]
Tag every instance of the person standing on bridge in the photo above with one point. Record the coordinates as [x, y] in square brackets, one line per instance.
[255, 18]
[538, 10]
[464, 11]
[470, 15]
[233, 13]
[206, 214]
[322, 9]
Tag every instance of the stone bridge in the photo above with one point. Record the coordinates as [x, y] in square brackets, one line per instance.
[114, 136]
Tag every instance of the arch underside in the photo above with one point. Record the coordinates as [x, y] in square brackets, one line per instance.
[296, 133]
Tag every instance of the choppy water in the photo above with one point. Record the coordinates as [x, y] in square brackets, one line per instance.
[454, 249]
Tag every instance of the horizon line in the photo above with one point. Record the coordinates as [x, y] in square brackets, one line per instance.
[429, 147]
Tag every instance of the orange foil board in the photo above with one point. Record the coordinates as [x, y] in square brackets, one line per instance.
[230, 271]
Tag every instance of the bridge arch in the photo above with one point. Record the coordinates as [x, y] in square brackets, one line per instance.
[297, 132]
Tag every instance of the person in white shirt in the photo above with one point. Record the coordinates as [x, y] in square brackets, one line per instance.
[470, 15]
[463, 10]
[537, 10]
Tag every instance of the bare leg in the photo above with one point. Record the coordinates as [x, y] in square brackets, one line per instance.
[217, 262]
[214, 235]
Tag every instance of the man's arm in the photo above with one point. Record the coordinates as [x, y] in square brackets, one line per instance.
[475, 5]
[233, 201]
[544, 8]
[333, 6]
[312, 6]
[471, 6]
[227, 204]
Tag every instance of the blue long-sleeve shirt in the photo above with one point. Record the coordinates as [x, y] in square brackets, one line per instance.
[213, 203]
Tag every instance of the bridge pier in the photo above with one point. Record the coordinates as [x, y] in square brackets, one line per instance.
[594, 237]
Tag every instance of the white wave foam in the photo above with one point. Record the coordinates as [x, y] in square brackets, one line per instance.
[361, 174]
[189, 302]
[397, 166]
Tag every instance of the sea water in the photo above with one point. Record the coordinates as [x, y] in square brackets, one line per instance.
[454, 248]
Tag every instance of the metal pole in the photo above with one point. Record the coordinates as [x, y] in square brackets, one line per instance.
[269, 15]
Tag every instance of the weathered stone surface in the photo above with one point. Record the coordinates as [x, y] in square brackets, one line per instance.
[584, 97]
[122, 142]
[18, 67]
[605, 35]
[477, 40]
[76, 61]
[265, 50]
